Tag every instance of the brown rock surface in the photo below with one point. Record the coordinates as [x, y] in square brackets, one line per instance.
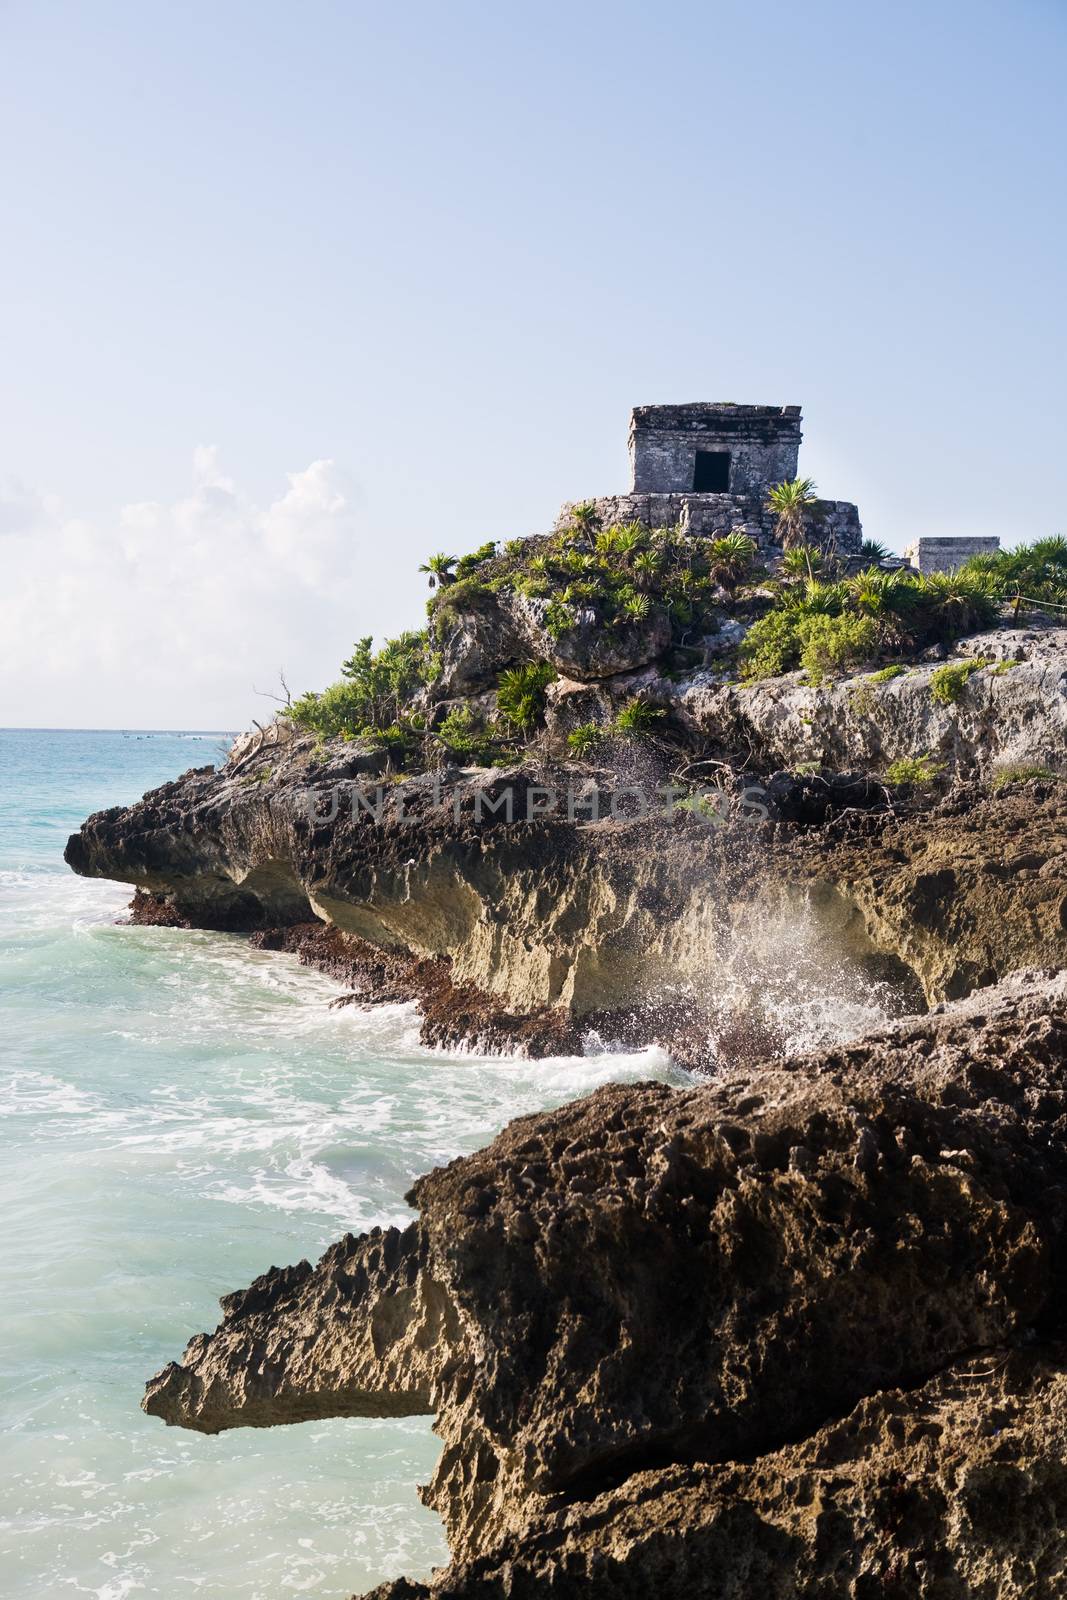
[524, 932]
[640, 1318]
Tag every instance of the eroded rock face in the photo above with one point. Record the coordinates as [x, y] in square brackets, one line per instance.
[1011, 712]
[955, 1490]
[533, 929]
[493, 631]
[617, 1305]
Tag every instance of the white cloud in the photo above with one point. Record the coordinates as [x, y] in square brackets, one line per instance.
[167, 615]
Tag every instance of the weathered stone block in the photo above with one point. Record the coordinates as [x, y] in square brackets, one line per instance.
[717, 448]
[945, 554]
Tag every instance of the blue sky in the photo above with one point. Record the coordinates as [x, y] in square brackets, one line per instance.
[293, 295]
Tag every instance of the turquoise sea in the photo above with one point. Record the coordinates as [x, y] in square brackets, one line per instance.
[177, 1113]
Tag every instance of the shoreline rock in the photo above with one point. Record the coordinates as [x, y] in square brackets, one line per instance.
[527, 936]
[886, 1218]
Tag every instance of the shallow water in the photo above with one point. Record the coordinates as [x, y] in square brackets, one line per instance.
[177, 1113]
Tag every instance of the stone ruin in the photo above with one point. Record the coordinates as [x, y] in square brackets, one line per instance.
[946, 553]
[707, 468]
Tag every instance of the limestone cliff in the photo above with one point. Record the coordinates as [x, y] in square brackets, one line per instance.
[527, 930]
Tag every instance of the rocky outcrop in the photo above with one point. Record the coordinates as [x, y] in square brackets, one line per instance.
[523, 932]
[1010, 712]
[779, 1332]
[956, 1490]
[482, 632]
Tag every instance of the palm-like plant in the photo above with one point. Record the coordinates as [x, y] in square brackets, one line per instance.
[731, 557]
[960, 600]
[803, 561]
[647, 565]
[630, 536]
[585, 519]
[814, 599]
[636, 607]
[789, 502]
[873, 551]
[520, 694]
[874, 593]
[440, 569]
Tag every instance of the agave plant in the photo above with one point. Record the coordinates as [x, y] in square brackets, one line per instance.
[731, 558]
[441, 570]
[789, 502]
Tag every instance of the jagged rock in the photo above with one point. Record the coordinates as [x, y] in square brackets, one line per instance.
[593, 918]
[617, 1305]
[491, 630]
[956, 1490]
[1010, 713]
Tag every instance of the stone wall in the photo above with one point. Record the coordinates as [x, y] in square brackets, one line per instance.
[763, 443]
[947, 553]
[833, 522]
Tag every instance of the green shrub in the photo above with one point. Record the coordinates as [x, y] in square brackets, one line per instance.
[1022, 774]
[584, 739]
[949, 681]
[374, 690]
[466, 594]
[463, 733]
[829, 644]
[770, 647]
[559, 619]
[520, 694]
[636, 719]
[887, 674]
[469, 563]
[920, 770]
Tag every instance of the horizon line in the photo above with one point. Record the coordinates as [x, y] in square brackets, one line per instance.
[124, 728]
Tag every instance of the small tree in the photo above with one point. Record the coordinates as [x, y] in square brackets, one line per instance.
[440, 569]
[789, 502]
